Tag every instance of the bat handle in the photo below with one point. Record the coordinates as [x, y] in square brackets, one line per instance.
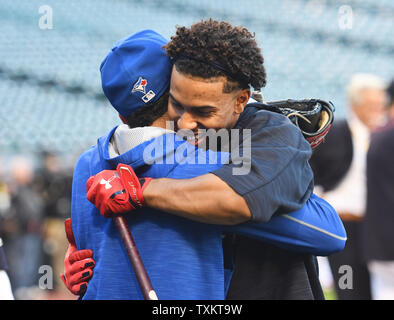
[135, 259]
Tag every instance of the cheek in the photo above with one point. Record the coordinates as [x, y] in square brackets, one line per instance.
[217, 122]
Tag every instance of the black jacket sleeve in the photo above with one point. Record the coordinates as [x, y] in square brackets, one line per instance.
[331, 160]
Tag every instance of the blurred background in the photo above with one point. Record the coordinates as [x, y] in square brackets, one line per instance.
[52, 106]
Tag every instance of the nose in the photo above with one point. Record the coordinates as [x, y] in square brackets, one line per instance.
[186, 121]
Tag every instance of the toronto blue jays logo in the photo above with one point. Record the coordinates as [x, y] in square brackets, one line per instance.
[140, 85]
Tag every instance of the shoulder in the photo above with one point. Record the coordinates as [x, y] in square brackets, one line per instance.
[94, 157]
[85, 159]
[196, 162]
[254, 115]
[383, 137]
[270, 128]
[382, 145]
[87, 164]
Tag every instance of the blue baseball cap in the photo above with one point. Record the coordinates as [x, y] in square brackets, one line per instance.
[136, 72]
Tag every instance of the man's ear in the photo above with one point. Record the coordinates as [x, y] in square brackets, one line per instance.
[242, 100]
[123, 119]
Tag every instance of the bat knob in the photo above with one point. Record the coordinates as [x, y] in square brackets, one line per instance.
[152, 295]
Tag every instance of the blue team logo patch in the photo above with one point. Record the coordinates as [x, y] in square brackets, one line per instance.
[140, 85]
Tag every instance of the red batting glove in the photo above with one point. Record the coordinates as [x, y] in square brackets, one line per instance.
[116, 191]
[78, 264]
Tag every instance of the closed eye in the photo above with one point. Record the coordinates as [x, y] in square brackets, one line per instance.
[200, 111]
[175, 103]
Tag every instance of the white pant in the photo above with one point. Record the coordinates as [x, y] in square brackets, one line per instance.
[5, 287]
[325, 274]
[382, 279]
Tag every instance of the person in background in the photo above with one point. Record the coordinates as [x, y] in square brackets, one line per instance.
[339, 166]
[379, 218]
[53, 184]
[5, 285]
[22, 232]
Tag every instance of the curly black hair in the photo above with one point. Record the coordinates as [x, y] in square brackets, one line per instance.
[146, 115]
[199, 49]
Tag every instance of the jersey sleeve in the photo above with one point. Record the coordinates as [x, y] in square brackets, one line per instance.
[315, 229]
[277, 177]
[196, 162]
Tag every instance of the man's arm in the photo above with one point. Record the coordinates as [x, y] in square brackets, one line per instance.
[316, 229]
[280, 179]
[205, 198]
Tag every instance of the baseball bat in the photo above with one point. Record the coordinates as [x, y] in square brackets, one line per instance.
[135, 259]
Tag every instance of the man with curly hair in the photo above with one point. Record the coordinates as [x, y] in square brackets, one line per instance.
[215, 67]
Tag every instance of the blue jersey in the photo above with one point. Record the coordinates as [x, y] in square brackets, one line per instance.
[183, 258]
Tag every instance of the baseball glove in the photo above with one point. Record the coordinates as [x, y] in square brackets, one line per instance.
[313, 117]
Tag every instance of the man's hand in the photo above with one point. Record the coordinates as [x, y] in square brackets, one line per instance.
[116, 191]
[78, 264]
